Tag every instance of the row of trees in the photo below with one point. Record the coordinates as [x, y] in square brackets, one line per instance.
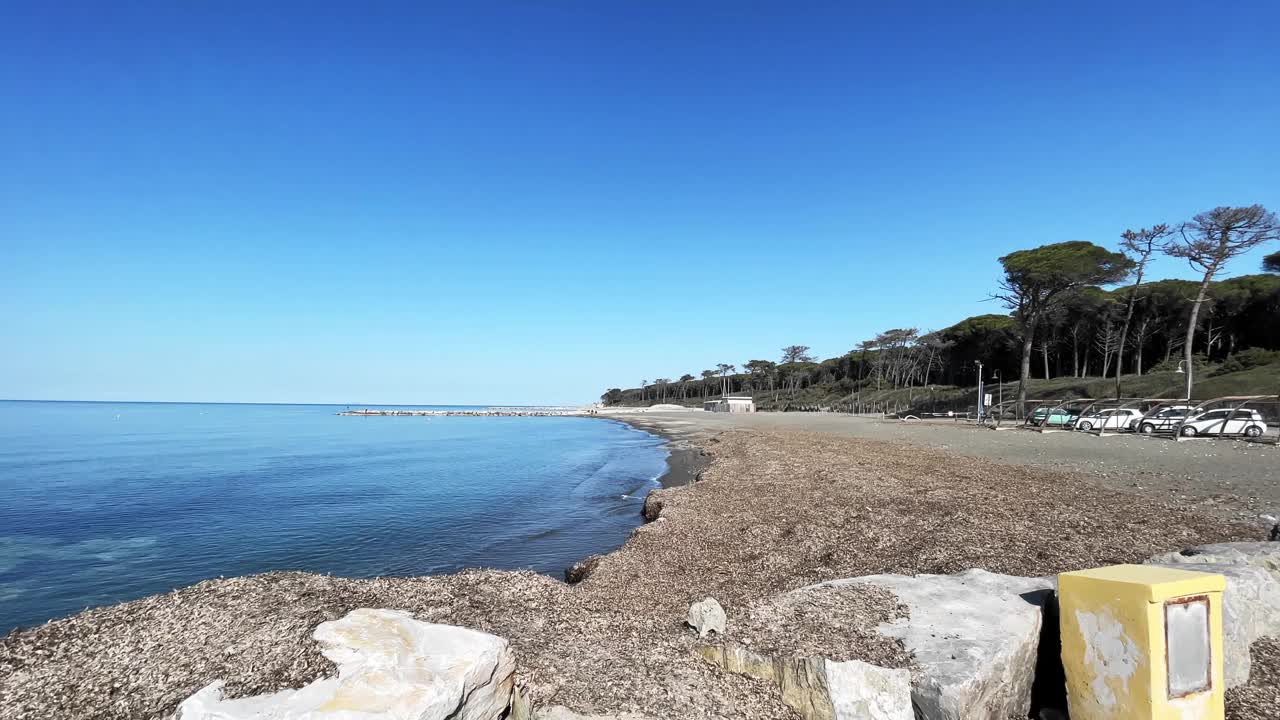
[1061, 319]
[1038, 282]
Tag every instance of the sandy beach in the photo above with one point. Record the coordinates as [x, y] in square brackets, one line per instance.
[781, 502]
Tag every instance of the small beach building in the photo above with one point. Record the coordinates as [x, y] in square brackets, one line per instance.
[730, 403]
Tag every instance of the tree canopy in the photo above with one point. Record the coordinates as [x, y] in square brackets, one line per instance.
[1208, 242]
[1034, 280]
[796, 353]
[1213, 237]
[1034, 277]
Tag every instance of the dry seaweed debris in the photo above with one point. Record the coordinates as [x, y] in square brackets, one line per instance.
[776, 512]
[840, 625]
[1259, 699]
[139, 659]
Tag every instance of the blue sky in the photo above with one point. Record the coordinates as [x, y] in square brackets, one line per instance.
[530, 202]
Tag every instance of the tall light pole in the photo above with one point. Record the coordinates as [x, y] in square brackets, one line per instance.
[980, 389]
[999, 378]
[1181, 364]
[1189, 378]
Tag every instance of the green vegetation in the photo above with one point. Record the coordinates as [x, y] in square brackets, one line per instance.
[1066, 335]
[1209, 241]
[1035, 281]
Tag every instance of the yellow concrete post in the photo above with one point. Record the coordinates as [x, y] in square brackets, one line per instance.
[1142, 643]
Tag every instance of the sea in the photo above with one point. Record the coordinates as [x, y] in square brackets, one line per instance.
[106, 502]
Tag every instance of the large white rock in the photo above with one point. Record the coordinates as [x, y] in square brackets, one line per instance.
[706, 617]
[390, 667]
[1265, 555]
[974, 637]
[821, 689]
[860, 691]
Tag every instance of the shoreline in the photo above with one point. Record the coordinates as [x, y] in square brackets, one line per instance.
[686, 460]
[775, 511]
[681, 465]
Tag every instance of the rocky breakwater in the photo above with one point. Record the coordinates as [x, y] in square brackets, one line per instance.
[481, 412]
[974, 645]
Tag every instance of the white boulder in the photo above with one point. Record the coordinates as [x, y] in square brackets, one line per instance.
[974, 636]
[390, 667]
[821, 689]
[707, 616]
[861, 691]
[1265, 555]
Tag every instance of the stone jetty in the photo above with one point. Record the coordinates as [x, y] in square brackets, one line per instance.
[478, 412]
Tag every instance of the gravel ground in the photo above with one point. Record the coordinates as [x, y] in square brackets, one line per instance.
[775, 511]
[1235, 479]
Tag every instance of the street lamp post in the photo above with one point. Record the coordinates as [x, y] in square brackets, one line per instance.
[1180, 371]
[981, 407]
[999, 378]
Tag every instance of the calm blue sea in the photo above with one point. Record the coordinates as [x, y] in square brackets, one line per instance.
[105, 502]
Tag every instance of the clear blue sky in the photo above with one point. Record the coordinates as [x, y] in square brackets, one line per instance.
[529, 202]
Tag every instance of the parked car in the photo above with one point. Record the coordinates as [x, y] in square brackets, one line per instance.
[1109, 419]
[1224, 422]
[1059, 417]
[1162, 420]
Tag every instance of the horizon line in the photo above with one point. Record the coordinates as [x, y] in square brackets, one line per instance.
[317, 404]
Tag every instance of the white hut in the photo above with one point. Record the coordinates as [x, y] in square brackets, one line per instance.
[730, 403]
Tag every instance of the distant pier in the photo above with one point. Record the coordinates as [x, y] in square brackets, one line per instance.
[480, 412]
